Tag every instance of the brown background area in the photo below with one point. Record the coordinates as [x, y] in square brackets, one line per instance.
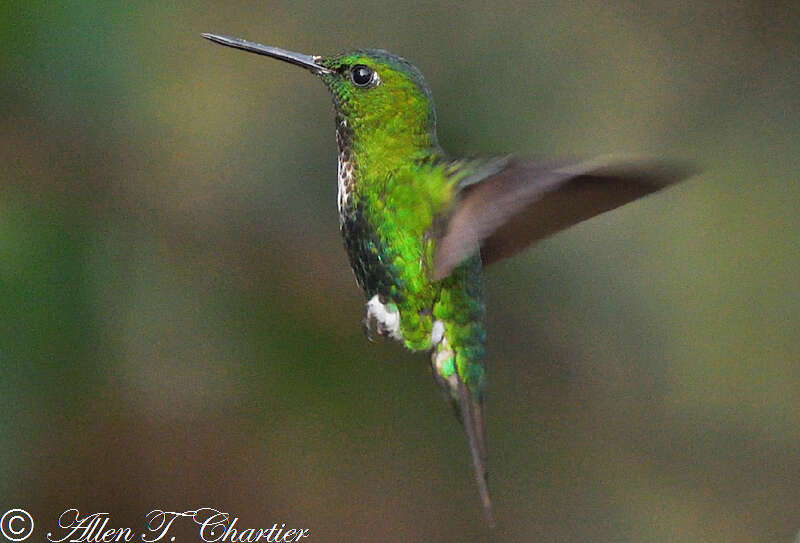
[179, 327]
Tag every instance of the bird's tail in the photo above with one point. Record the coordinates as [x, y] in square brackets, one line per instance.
[471, 412]
[469, 408]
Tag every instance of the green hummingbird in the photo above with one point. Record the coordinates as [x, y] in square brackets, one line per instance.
[419, 226]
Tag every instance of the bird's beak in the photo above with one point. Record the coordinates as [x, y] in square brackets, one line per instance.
[298, 59]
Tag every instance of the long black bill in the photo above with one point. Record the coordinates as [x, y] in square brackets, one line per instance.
[298, 59]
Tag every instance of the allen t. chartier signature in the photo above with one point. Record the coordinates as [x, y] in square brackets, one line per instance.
[214, 527]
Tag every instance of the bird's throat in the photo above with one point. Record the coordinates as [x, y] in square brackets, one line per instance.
[346, 168]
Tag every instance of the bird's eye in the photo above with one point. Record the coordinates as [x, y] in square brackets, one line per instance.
[362, 76]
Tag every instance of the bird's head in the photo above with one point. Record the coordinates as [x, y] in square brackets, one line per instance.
[380, 97]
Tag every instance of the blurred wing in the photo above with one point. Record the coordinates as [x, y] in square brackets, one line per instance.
[524, 202]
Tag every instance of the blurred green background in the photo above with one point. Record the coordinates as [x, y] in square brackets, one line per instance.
[179, 326]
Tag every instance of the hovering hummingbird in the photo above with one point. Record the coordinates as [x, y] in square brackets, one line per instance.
[419, 226]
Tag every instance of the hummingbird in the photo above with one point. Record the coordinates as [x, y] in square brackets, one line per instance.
[419, 226]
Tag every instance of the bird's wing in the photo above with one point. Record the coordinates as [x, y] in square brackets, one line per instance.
[522, 202]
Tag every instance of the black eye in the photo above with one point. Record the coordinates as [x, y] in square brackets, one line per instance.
[361, 75]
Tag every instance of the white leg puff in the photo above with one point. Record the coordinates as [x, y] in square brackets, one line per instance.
[385, 316]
